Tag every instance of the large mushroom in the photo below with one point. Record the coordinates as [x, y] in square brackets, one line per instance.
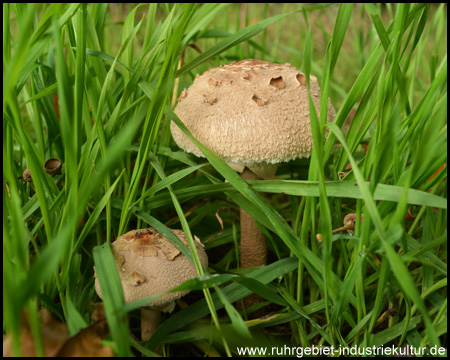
[253, 114]
[148, 264]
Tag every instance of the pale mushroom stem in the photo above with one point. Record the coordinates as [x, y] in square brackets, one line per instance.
[253, 240]
[253, 243]
[150, 321]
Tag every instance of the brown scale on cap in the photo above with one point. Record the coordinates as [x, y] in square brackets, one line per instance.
[301, 78]
[213, 82]
[209, 99]
[259, 101]
[182, 95]
[277, 82]
[135, 278]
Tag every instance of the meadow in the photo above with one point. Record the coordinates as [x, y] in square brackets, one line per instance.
[95, 85]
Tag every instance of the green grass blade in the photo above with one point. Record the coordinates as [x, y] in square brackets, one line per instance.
[398, 267]
[233, 292]
[112, 298]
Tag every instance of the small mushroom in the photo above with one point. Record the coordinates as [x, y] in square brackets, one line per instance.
[349, 224]
[260, 117]
[53, 166]
[148, 264]
[27, 175]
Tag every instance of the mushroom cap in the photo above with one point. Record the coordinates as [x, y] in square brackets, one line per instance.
[148, 263]
[53, 166]
[249, 112]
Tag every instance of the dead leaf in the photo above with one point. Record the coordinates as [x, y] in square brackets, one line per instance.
[54, 334]
[56, 339]
[88, 342]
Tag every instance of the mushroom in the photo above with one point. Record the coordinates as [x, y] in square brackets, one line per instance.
[53, 166]
[253, 114]
[349, 225]
[148, 264]
[27, 175]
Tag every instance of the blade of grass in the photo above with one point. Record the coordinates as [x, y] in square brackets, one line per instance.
[233, 292]
[401, 272]
[112, 298]
[238, 37]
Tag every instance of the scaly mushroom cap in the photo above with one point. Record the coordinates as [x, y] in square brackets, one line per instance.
[250, 112]
[148, 264]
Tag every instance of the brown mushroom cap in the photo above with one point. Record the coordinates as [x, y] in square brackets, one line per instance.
[148, 264]
[53, 166]
[27, 175]
[249, 112]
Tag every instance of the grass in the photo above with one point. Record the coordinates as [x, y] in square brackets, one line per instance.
[96, 89]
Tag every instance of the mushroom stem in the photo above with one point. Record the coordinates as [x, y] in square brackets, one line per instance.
[253, 243]
[150, 321]
[344, 228]
[253, 240]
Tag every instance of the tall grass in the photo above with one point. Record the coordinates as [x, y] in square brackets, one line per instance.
[95, 88]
